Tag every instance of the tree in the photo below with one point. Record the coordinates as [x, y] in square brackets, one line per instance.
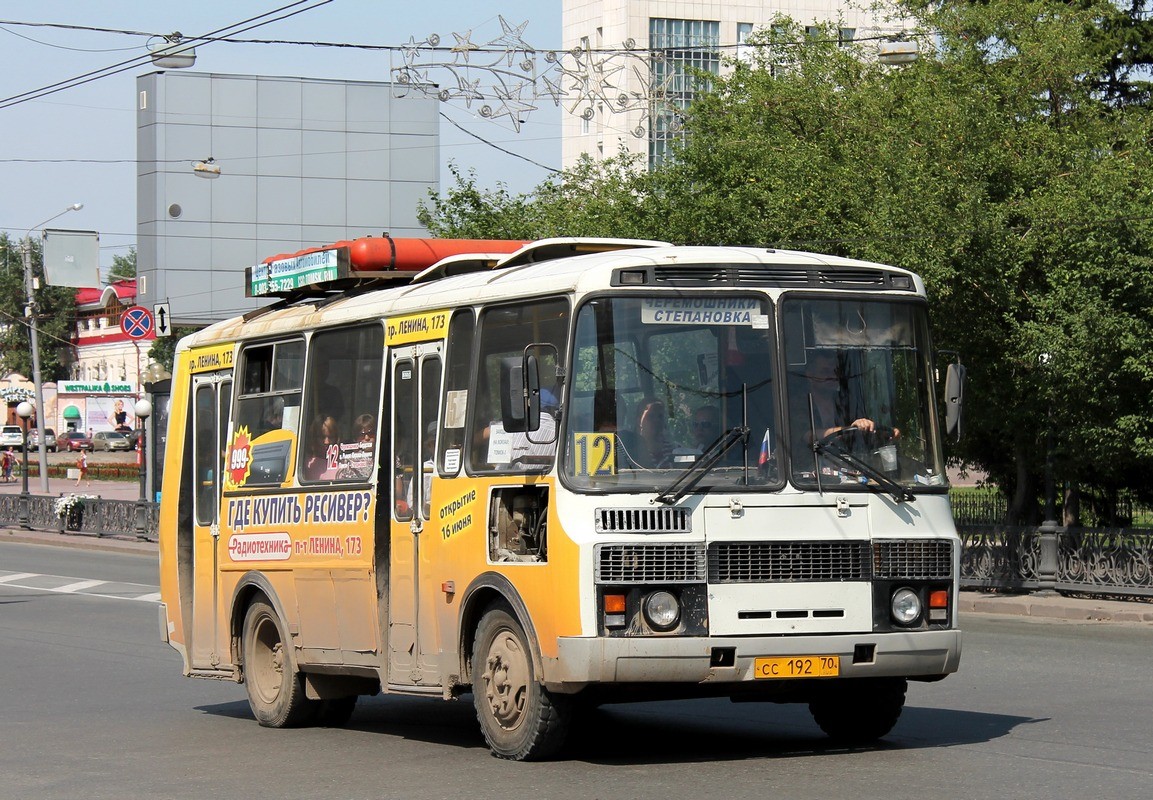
[56, 309]
[123, 266]
[163, 350]
[999, 166]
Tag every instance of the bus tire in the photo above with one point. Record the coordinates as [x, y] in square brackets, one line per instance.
[275, 689]
[859, 711]
[520, 719]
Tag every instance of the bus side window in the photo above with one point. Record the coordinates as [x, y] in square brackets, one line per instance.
[505, 332]
[457, 380]
[404, 427]
[268, 407]
[430, 369]
[208, 458]
[342, 400]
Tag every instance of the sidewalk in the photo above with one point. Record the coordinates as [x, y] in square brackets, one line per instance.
[1057, 607]
[111, 490]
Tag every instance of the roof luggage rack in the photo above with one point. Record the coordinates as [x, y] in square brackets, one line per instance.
[357, 265]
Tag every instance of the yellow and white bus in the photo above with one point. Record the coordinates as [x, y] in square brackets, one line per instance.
[558, 474]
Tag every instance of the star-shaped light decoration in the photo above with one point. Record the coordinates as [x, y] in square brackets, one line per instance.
[463, 46]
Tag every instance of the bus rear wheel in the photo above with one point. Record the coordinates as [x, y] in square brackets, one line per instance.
[520, 719]
[859, 711]
[275, 690]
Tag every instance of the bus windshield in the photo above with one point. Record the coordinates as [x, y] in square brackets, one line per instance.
[860, 387]
[656, 381]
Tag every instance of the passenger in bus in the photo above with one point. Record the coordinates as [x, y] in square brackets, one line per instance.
[273, 415]
[323, 449]
[521, 450]
[365, 428]
[648, 445]
[538, 447]
[706, 427]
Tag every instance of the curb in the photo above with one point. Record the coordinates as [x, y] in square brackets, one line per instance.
[1057, 607]
[108, 544]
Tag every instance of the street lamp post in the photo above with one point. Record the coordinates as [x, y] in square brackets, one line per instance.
[33, 336]
[24, 411]
[143, 410]
[1050, 530]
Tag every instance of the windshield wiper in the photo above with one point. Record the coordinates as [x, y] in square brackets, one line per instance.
[895, 490]
[691, 476]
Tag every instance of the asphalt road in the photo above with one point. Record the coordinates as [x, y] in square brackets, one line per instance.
[94, 706]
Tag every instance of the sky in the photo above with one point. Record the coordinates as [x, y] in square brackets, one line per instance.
[78, 145]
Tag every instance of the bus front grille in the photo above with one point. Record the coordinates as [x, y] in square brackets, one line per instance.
[650, 563]
[788, 562]
[912, 558]
[643, 520]
[792, 562]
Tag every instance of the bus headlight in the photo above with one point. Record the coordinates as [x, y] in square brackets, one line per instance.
[662, 611]
[905, 607]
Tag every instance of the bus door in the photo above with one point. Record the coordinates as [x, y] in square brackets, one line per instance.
[416, 376]
[212, 398]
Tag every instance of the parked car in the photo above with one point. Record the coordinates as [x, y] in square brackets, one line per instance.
[12, 436]
[49, 439]
[73, 441]
[110, 440]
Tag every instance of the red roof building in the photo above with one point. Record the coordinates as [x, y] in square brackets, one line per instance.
[104, 352]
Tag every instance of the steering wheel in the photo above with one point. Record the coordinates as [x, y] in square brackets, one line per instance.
[848, 433]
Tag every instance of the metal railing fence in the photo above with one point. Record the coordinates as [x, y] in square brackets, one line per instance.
[92, 516]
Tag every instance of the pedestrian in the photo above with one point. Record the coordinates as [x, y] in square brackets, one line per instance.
[82, 465]
[7, 461]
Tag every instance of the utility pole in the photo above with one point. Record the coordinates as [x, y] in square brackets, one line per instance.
[33, 336]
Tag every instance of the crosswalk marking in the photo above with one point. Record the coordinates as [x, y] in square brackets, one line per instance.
[76, 587]
[89, 587]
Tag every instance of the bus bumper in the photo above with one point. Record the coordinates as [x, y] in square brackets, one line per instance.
[649, 659]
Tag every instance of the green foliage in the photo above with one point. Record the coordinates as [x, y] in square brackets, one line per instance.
[1002, 166]
[56, 309]
[163, 350]
[123, 266]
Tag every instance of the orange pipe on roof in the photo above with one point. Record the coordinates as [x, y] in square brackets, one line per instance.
[386, 253]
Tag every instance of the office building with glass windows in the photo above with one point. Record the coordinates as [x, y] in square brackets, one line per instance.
[637, 62]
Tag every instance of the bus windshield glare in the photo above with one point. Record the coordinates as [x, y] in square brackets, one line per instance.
[656, 381]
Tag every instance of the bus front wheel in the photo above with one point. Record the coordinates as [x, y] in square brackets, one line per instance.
[520, 719]
[275, 690]
[859, 711]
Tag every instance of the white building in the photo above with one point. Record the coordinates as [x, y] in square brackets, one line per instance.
[619, 76]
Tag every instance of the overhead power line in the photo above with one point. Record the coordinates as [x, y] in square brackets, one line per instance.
[251, 23]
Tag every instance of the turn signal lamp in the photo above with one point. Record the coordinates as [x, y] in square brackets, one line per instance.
[939, 606]
[614, 610]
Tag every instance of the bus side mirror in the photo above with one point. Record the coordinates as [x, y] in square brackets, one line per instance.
[520, 394]
[954, 397]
